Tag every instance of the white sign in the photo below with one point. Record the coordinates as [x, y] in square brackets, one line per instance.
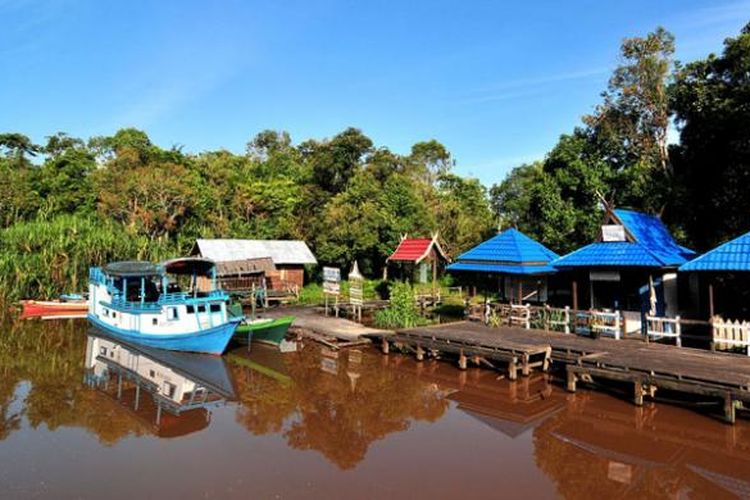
[604, 275]
[613, 232]
[331, 287]
[332, 274]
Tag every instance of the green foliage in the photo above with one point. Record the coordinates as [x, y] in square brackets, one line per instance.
[402, 311]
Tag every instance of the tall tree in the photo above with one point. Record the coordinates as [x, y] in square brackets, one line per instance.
[711, 99]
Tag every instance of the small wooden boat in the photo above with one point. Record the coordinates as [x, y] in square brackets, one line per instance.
[268, 330]
[54, 308]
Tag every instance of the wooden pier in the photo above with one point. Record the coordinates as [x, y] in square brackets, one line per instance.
[646, 367]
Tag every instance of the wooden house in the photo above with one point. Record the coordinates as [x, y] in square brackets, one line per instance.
[420, 260]
[515, 265]
[632, 268]
[237, 259]
[720, 279]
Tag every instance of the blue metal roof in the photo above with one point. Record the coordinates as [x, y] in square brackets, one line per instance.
[510, 252]
[654, 246]
[733, 255]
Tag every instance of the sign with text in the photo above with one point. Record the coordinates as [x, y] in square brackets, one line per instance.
[604, 276]
[613, 232]
[331, 280]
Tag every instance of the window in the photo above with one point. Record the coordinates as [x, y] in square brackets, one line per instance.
[190, 309]
[169, 389]
[215, 308]
[114, 314]
[154, 321]
[151, 373]
[202, 308]
[103, 351]
[172, 313]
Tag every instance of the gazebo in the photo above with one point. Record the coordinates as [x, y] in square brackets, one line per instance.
[422, 258]
[634, 258]
[726, 270]
[520, 265]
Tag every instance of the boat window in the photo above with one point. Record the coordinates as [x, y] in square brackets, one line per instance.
[151, 373]
[114, 314]
[190, 309]
[202, 308]
[215, 308]
[170, 389]
[154, 321]
[103, 351]
[172, 313]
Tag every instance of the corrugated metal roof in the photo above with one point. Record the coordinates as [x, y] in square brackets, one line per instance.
[610, 254]
[415, 249]
[280, 251]
[247, 266]
[483, 267]
[510, 246]
[733, 255]
[654, 246]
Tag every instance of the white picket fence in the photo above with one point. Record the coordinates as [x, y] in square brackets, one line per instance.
[607, 323]
[728, 334]
[658, 328]
[520, 315]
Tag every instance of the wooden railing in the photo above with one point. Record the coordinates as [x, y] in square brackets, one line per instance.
[658, 328]
[728, 334]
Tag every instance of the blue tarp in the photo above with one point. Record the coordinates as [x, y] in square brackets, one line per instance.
[733, 255]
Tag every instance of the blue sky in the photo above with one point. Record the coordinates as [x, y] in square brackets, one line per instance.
[496, 82]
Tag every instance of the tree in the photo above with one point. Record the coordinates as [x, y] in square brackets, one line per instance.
[432, 159]
[17, 147]
[463, 213]
[712, 162]
[334, 162]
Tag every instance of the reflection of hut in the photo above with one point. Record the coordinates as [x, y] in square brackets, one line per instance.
[726, 272]
[419, 259]
[511, 261]
[289, 257]
[634, 250]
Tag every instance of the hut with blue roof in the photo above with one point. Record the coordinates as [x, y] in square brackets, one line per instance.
[634, 261]
[518, 265]
[722, 276]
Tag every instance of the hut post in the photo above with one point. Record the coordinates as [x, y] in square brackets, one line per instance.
[711, 300]
[575, 304]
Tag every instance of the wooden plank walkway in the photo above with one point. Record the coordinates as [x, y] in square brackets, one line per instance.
[648, 367]
[329, 330]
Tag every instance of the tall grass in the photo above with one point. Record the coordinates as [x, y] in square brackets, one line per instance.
[41, 259]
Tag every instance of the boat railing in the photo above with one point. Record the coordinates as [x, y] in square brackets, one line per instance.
[166, 299]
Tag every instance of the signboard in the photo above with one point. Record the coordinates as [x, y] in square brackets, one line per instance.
[613, 232]
[331, 280]
[604, 275]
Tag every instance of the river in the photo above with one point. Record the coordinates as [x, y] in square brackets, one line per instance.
[82, 416]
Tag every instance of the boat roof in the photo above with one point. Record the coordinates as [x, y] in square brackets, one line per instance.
[129, 268]
[188, 266]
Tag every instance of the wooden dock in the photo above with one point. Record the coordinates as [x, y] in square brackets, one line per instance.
[647, 367]
[331, 331]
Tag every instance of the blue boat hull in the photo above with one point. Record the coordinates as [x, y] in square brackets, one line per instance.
[211, 341]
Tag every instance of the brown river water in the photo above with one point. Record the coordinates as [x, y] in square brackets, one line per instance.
[85, 417]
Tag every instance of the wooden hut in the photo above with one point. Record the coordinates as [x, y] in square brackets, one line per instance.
[630, 268]
[420, 260]
[517, 266]
[289, 258]
[720, 279]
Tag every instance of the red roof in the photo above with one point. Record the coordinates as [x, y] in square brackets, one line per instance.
[415, 249]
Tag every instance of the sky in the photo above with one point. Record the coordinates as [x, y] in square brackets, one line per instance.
[497, 82]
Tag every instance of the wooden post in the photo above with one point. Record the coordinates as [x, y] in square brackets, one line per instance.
[729, 410]
[420, 353]
[462, 361]
[638, 396]
[710, 300]
[575, 305]
[678, 331]
[520, 291]
[385, 347]
[571, 376]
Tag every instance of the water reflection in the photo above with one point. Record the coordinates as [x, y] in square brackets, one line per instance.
[335, 402]
[603, 447]
[170, 391]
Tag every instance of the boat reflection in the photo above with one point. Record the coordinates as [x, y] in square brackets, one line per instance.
[173, 392]
[602, 447]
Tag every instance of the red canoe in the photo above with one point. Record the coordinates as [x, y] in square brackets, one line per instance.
[43, 308]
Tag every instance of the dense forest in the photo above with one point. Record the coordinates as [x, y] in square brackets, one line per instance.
[70, 202]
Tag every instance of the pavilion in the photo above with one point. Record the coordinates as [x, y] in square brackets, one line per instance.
[419, 259]
[518, 265]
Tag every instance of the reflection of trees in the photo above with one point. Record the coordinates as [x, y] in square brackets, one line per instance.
[338, 414]
[597, 449]
[50, 357]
